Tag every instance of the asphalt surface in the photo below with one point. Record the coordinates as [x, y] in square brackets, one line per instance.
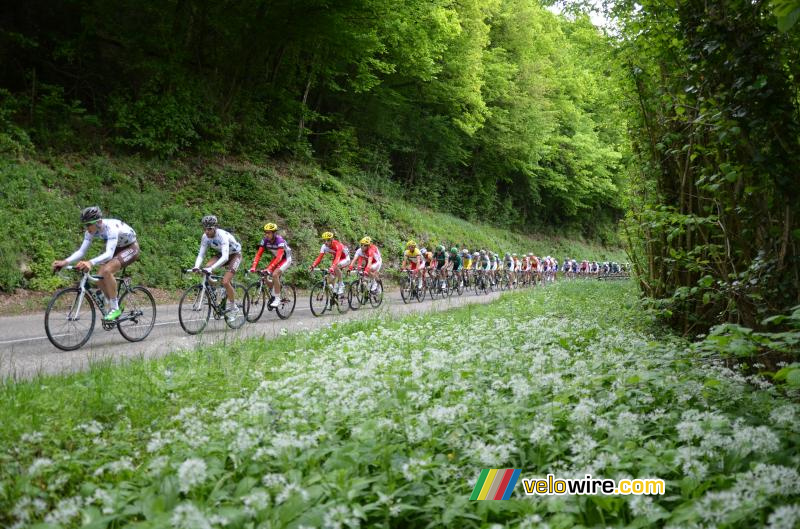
[25, 350]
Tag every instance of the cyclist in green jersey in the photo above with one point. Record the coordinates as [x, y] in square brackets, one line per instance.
[454, 263]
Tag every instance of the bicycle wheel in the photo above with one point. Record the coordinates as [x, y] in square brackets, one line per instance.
[420, 292]
[406, 290]
[432, 284]
[257, 297]
[139, 314]
[194, 309]
[363, 291]
[318, 299]
[341, 301]
[458, 284]
[288, 300]
[243, 301]
[354, 294]
[69, 319]
[376, 296]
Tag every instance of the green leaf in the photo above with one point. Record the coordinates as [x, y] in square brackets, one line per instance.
[793, 378]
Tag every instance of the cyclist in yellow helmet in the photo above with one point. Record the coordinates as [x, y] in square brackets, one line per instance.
[368, 255]
[340, 254]
[412, 260]
[281, 260]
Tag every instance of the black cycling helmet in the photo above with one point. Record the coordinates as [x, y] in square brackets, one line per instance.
[91, 214]
[209, 221]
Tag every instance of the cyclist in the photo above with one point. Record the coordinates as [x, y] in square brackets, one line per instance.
[455, 263]
[281, 259]
[371, 257]
[412, 260]
[341, 258]
[229, 254]
[121, 250]
[439, 261]
[466, 259]
[494, 266]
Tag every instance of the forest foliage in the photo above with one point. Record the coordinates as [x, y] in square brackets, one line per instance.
[498, 110]
[714, 122]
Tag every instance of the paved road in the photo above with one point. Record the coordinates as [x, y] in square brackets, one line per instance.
[25, 350]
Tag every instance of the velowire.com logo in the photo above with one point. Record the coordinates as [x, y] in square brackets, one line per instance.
[495, 484]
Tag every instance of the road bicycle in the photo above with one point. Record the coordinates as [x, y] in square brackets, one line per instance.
[481, 285]
[360, 292]
[457, 282]
[506, 283]
[208, 296]
[323, 296]
[411, 288]
[71, 314]
[259, 295]
[437, 284]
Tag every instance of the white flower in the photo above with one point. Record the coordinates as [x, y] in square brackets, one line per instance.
[256, 501]
[39, 464]
[785, 416]
[157, 442]
[192, 472]
[91, 428]
[33, 437]
[759, 440]
[541, 433]
[103, 498]
[65, 511]
[785, 517]
[414, 469]
[157, 465]
[339, 517]
[187, 516]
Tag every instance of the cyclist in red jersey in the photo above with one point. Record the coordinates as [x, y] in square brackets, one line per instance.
[341, 258]
[276, 245]
[368, 255]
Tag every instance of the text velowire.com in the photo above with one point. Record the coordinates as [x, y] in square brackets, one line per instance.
[499, 483]
[552, 486]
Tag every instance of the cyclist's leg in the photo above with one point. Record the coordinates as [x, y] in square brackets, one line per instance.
[109, 284]
[276, 276]
[230, 270]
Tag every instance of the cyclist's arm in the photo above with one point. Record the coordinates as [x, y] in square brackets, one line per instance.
[202, 252]
[80, 252]
[226, 251]
[111, 245]
[257, 258]
[278, 258]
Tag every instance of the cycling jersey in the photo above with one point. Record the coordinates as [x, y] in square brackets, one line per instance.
[116, 234]
[278, 247]
[340, 253]
[414, 258]
[467, 262]
[372, 252]
[440, 258]
[223, 242]
[456, 260]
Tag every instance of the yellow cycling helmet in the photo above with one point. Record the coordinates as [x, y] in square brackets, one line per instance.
[409, 244]
[271, 226]
[365, 240]
[326, 235]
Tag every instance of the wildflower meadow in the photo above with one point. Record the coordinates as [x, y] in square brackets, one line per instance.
[388, 422]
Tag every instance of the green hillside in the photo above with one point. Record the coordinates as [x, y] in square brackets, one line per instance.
[40, 201]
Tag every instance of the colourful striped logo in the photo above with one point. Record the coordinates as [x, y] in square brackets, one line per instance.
[495, 484]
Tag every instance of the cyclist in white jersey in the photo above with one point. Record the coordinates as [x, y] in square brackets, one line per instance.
[121, 250]
[230, 253]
